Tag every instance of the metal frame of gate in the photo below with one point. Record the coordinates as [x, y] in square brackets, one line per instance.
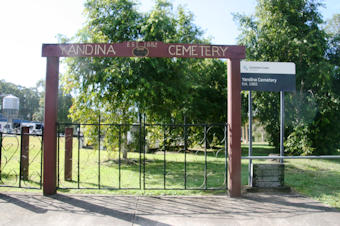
[142, 184]
[20, 162]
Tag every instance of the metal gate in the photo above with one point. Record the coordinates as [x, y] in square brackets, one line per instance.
[142, 156]
[21, 159]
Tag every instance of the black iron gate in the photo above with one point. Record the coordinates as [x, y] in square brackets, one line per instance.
[21, 159]
[142, 156]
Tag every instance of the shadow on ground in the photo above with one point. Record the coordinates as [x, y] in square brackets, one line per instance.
[161, 210]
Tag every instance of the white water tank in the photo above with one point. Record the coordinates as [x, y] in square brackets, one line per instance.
[10, 102]
[10, 106]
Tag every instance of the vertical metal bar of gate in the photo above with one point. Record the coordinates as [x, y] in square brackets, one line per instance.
[78, 135]
[20, 162]
[99, 152]
[119, 151]
[205, 158]
[41, 156]
[185, 153]
[140, 155]
[164, 152]
[58, 156]
[143, 144]
[226, 154]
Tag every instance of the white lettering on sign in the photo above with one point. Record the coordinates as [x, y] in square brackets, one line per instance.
[111, 50]
[87, 50]
[141, 44]
[249, 79]
[271, 80]
[255, 80]
[171, 47]
[192, 50]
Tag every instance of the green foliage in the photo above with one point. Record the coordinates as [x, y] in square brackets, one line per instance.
[324, 134]
[64, 104]
[289, 31]
[333, 54]
[298, 143]
[163, 89]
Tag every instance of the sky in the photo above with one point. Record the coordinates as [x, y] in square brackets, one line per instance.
[26, 25]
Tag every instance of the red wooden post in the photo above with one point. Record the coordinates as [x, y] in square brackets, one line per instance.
[50, 121]
[68, 154]
[234, 128]
[24, 156]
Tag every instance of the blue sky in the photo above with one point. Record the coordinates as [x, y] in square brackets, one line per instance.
[25, 25]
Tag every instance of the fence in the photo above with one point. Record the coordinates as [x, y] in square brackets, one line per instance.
[21, 159]
[125, 156]
[142, 156]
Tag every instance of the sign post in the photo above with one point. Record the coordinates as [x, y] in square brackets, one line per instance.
[282, 123]
[267, 76]
[250, 150]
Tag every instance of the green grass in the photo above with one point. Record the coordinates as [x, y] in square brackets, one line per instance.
[132, 175]
[85, 169]
[318, 179]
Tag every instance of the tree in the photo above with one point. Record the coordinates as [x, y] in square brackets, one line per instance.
[165, 90]
[64, 104]
[333, 31]
[289, 31]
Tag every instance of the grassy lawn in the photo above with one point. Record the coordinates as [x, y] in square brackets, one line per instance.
[318, 179]
[161, 171]
[315, 178]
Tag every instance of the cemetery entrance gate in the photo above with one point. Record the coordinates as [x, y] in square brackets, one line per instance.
[232, 53]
